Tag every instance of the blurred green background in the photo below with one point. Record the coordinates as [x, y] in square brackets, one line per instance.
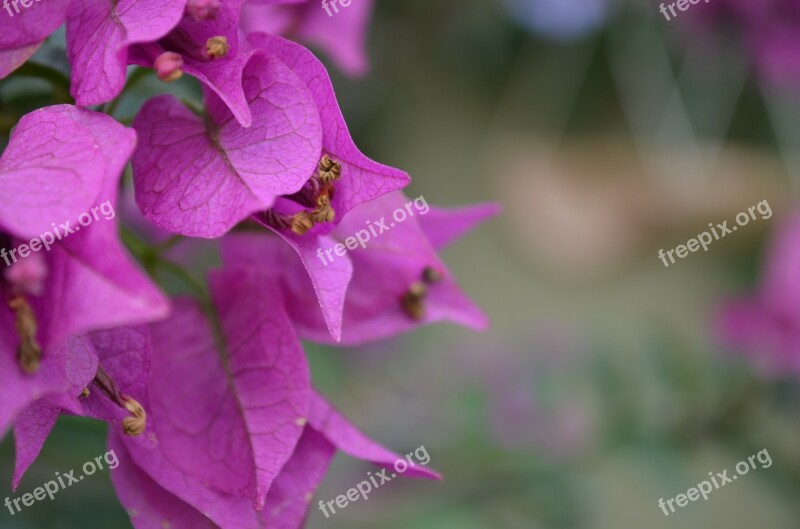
[606, 133]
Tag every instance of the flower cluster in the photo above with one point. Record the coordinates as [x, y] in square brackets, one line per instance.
[208, 397]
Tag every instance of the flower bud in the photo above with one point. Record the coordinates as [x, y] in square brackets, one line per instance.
[28, 275]
[168, 66]
[202, 9]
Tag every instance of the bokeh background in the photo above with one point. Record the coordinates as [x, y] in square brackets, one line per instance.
[606, 133]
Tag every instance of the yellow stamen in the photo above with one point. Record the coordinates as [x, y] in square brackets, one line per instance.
[430, 275]
[28, 352]
[413, 300]
[329, 170]
[324, 212]
[302, 222]
[217, 47]
[134, 425]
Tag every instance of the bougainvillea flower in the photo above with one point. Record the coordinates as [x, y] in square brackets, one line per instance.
[205, 45]
[62, 166]
[65, 369]
[152, 506]
[13, 58]
[60, 173]
[201, 177]
[398, 281]
[99, 34]
[344, 179]
[31, 24]
[25, 29]
[328, 283]
[246, 392]
[340, 432]
[339, 31]
[766, 324]
[156, 493]
[327, 431]
[233, 380]
[113, 380]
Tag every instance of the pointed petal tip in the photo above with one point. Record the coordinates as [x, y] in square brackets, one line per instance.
[425, 473]
[492, 209]
[336, 331]
[245, 119]
[471, 317]
[260, 502]
[482, 327]
[483, 211]
[436, 476]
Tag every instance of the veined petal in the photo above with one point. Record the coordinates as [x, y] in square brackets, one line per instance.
[200, 179]
[98, 36]
[248, 401]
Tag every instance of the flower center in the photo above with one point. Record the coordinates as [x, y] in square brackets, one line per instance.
[413, 301]
[136, 423]
[317, 195]
[202, 9]
[21, 278]
[217, 47]
[182, 43]
[29, 352]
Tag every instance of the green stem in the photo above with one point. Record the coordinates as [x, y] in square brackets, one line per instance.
[46, 73]
[153, 261]
[201, 291]
[168, 244]
[181, 273]
[59, 81]
[137, 76]
[135, 244]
